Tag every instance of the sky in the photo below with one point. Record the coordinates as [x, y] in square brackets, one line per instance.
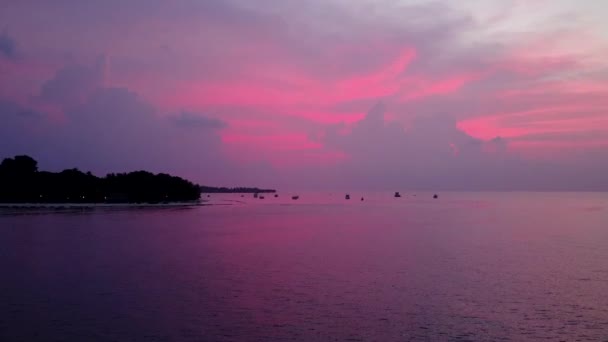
[314, 94]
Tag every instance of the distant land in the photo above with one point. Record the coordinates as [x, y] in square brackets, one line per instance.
[22, 182]
[238, 190]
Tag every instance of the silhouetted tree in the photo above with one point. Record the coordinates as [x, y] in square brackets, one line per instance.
[20, 181]
[17, 178]
[19, 165]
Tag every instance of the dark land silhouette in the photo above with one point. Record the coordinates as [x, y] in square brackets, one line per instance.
[22, 182]
[239, 190]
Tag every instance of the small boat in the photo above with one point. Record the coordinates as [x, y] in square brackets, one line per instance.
[275, 195]
[261, 197]
[295, 197]
[435, 196]
[397, 194]
[362, 199]
[347, 196]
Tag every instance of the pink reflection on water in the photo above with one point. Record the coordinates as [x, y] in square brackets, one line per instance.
[482, 265]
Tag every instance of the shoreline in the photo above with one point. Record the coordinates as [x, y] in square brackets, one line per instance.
[97, 205]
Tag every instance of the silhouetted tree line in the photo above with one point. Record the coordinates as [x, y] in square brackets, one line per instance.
[238, 190]
[21, 182]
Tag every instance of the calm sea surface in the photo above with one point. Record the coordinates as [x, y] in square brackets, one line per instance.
[467, 266]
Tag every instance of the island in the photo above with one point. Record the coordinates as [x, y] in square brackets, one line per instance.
[237, 190]
[22, 182]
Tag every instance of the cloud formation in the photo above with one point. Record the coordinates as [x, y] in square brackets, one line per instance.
[494, 94]
[73, 84]
[8, 46]
[111, 129]
[193, 120]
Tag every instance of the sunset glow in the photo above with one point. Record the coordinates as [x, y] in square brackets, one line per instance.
[294, 89]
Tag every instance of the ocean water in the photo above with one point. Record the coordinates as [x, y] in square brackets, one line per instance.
[464, 267]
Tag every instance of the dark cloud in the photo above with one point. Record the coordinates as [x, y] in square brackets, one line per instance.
[73, 84]
[8, 46]
[192, 120]
[112, 129]
[20, 129]
[434, 154]
[29, 113]
[8, 109]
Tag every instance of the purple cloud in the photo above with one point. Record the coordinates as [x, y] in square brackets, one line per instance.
[8, 46]
[287, 87]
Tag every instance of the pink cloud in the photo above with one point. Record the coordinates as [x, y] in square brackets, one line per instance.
[286, 88]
